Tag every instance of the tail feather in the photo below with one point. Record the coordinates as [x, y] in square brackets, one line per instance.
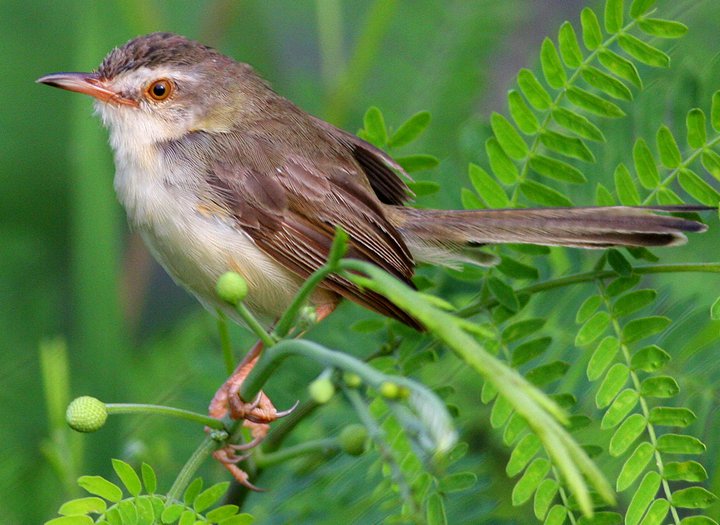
[583, 227]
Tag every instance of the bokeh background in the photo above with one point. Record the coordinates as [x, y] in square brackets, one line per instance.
[71, 275]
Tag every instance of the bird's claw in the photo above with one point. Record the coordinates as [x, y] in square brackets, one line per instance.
[228, 458]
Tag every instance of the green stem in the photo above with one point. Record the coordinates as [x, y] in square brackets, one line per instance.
[594, 276]
[225, 343]
[255, 325]
[132, 408]
[188, 471]
[322, 446]
[288, 318]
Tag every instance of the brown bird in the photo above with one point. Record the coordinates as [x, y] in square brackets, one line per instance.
[218, 172]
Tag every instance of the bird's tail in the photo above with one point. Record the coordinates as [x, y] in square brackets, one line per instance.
[432, 233]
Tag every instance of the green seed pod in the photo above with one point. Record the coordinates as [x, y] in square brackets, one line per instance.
[389, 390]
[321, 390]
[353, 439]
[86, 414]
[352, 380]
[231, 287]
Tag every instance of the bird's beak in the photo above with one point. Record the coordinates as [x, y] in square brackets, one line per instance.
[89, 84]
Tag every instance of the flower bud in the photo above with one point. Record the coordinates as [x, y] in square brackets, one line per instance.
[86, 414]
[231, 287]
[352, 380]
[389, 390]
[321, 390]
[353, 439]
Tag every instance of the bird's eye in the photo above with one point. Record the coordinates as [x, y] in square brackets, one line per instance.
[160, 89]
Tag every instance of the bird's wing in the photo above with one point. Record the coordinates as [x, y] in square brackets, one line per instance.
[291, 208]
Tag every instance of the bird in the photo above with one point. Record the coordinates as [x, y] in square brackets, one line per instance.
[218, 172]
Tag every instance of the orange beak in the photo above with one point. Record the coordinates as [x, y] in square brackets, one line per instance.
[89, 84]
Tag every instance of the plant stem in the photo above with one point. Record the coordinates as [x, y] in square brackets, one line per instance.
[191, 466]
[255, 325]
[133, 408]
[323, 446]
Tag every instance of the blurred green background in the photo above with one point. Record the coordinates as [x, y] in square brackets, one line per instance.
[69, 267]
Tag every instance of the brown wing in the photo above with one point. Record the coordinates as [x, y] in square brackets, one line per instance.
[290, 207]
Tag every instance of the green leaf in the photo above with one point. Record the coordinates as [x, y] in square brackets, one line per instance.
[186, 518]
[71, 520]
[619, 263]
[696, 128]
[435, 510]
[210, 496]
[620, 66]
[457, 482]
[577, 124]
[368, 326]
[693, 498]
[661, 387]
[603, 197]
[501, 165]
[192, 491]
[621, 407]
[504, 294]
[601, 518]
[410, 130]
[587, 308]
[643, 51]
[546, 374]
[221, 513]
[698, 520]
[593, 103]
[640, 7]
[649, 358]
[487, 187]
[500, 412]
[634, 465]
[533, 90]
[656, 513]
[685, 471]
[82, 506]
[488, 392]
[633, 301]
[698, 188]
[571, 147]
[149, 478]
[680, 444]
[668, 197]
[508, 137]
[470, 201]
[128, 476]
[621, 284]
[569, 47]
[374, 125]
[638, 329]
[522, 454]
[238, 519]
[606, 83]
[521, 329]
[516, 269]
[413, 163]
[552, 68]
[662, 28]
[626, 434]
[715, 111]
[522, 114]
[613, 16]
[711, 162]
[556, 169]
[99, 486]
[592, 329]
[667, 146]
[515, 427]
[423, 188]
[625, 187]
[591, 32]
[603, 355]
[171, 513]
[544, 496]
[528, 351]
[644, 495]
[672, 416]
[715, 310]
[556, 516]
[542, 194]
[614, 381]
[526, 485]
[645, 166]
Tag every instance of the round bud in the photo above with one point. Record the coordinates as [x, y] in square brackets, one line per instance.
[353, 439]
[231, 287]
[86, 414]
[321, 390]
[352, 380]
[389, 390]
